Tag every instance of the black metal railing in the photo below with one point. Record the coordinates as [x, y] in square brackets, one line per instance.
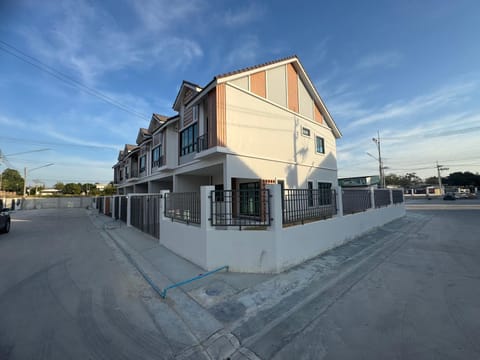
[382, 197]
[116, 207]
[158, 163]
[301, 205]
[356, 200]
[242, 208]
[123, 208]
[183, 207]
[145, 213]
[397, 196]
[202, 142]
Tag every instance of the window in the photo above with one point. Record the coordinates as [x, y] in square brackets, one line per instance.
[121, 174]
[157, 156]
[250, 199]
[324, 193]
[126, 172]
[319, 145]
[143, 160]
[306, 131]
[188, 140]
[310, 193]
[195, 113]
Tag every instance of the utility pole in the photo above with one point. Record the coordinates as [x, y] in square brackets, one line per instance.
[439, 168]
[380, 163]
[25, 177]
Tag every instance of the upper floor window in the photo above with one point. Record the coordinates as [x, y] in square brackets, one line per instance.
[188, 140]
[195, 112]
[143, 161]
[319, 145]
[306, 131]
[157, 156]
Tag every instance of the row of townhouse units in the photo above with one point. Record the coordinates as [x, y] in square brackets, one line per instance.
[247, 128]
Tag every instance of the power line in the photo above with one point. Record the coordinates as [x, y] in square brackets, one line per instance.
[15, 52]
[33, 142]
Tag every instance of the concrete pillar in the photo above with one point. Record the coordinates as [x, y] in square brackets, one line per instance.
[391, 196]
[276, 212]
[162, 204]
[205, 207]
[372, 197]
[338, 192]
[129, 210]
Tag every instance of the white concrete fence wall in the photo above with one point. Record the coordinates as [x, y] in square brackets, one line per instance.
[269, 250]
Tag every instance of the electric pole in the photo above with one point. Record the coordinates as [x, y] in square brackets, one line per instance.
[439, 168]
[380, 163]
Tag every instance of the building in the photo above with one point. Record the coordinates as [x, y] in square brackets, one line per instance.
[244, 129]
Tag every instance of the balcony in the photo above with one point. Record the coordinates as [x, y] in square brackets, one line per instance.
[202, 142]
[158, 163]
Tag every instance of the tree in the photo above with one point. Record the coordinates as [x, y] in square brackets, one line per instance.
[59, 186]
[109, 190]
[463, 179]
[72, 189]
[12, 181]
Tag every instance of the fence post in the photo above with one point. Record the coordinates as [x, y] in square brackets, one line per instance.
[112, 207]
[162, 204]
[339, 200]
[391, 196]
[276, 212]
[205, 207]
[129, 210]
[372, 198]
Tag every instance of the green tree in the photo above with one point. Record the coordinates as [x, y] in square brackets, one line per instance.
[12, 181]
[109, 190]
[72, 189]
[59, 186]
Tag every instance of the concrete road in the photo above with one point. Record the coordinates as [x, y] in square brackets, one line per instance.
[67, 293]
[416, 295]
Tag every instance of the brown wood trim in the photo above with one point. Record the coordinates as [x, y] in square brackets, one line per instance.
[292, 88]
[258, 83]
[212, 117]
[317, 114]
[221, 115]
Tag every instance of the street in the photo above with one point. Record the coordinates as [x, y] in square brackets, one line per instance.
[66, 293]
[408, 290]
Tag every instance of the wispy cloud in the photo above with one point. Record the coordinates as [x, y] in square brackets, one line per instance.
[437, 99]
[238, 17]
[244, 54]
[386, 59]
[67, 41]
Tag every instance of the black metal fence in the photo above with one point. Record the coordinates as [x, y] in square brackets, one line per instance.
[116, 207]
[356, 200]
[99, 203]
[397, 196]
[145, 213]
[242, 208]
[184, 207]
[123, 208]
[382, 197]
[301, 205]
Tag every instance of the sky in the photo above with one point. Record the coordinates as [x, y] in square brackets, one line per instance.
[79, 78]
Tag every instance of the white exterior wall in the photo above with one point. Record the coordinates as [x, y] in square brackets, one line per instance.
[171, 139]
[274, 134]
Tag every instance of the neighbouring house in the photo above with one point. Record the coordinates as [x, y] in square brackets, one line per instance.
[360, 182]
[244, 129]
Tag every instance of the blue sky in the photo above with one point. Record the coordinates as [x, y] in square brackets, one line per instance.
[408, 69]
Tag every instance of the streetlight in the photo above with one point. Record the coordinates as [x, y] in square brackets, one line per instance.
[380, 164]
[25, 176]
[440, 167]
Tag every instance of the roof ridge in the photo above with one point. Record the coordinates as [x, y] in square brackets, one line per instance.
[248, 68]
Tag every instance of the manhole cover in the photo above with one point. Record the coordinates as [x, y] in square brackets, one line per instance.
[212, 292]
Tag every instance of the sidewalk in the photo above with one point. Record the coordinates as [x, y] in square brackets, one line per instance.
[225, 310]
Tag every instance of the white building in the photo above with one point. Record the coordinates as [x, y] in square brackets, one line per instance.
[245, 129]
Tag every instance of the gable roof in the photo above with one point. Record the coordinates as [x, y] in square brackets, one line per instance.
[183, 88]
[255, 67]
[143, 134]
[156, 121]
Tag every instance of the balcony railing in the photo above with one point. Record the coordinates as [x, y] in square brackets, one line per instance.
[158, 163]
[202, 142]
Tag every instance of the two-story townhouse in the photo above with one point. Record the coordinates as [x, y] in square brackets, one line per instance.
[244, 129]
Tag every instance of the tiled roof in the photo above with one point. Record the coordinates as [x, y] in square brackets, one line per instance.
[256, 66]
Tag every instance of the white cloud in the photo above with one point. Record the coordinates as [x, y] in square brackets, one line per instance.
[381, 59]
[428, 102]
[244, 54]
[243, 16]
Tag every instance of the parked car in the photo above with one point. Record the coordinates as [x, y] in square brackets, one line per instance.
[5, 220]
[449, 196]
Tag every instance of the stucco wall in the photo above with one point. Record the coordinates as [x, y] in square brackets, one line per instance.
[273, 132]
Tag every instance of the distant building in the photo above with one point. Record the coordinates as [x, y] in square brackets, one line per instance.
[360, 181]
[49, 192]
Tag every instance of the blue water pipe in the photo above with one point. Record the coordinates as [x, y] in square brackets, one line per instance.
[163, 294]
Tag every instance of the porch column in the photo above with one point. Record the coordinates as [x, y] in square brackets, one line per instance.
[339, 199]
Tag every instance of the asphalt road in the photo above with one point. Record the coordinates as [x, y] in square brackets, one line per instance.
[417, 296]
[66, 293]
